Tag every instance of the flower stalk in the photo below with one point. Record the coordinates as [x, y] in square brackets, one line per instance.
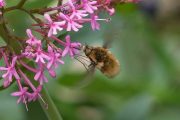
[50, 110]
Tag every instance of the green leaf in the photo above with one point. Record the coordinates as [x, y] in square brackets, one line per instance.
[136, 109]
[37, 3]
[70, 79]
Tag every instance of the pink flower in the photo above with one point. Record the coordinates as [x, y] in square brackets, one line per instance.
[35, 95]
[40, 75]
[2, 3]
[71, 24]
[11, 71]
[94, 24]
[22, 94]
[89, 6]
[71, 48]
[55, 58]
[52, 72]
[107, 2]
[29, 52]
[77, 13]
[111, 11]
[53, 26]
[36, 91]
[32, 40]
[41, 56]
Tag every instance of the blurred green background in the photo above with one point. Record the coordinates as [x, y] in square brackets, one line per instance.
[147, 87]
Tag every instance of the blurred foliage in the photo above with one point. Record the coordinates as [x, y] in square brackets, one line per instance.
[146, 89]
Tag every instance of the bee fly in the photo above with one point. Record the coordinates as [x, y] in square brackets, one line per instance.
[102, 59]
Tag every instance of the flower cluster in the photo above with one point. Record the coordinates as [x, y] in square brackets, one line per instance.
[43, 54]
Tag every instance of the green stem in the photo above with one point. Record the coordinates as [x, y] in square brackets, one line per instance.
[51, 112]
[19, 5]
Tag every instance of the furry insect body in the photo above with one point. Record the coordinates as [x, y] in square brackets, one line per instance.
[102, 59]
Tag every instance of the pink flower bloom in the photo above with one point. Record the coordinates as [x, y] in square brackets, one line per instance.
[89, 6]
[71, 24]
[55, 58]
[22, 94]
[111, 11]
[40, 76]
[11, 71]
[35, 95]
[29, 52]
[107, 2]
[41, 56]
[94, 24]
[77, 13]
[52, 73]
[32, 40]
[53, 26]
[2, 3]
[71, 48]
